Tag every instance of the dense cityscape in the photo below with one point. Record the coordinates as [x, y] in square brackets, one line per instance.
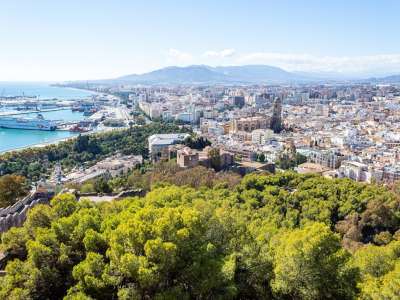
[200, 150]
[342, 130]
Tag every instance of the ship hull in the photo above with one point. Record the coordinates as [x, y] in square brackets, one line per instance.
[27, 124]
[28, 127]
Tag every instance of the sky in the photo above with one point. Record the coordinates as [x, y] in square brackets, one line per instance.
[95, 39]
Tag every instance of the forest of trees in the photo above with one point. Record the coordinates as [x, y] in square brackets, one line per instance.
[12, 187]
[283, 236]
[35, 163]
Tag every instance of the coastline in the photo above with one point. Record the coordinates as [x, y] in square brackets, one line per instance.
[58, 141]
[41, 145]
[44, 90]
[39, 139]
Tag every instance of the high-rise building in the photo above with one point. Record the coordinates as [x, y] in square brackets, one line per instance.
[276, 120]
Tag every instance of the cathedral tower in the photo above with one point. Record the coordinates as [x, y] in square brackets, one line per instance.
[276, 120]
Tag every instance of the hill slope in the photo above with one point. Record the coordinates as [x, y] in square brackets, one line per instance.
[387, 79]
[282, 236]
[206, 74]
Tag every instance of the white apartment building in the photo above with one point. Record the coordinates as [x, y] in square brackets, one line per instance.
[354, 170]
[261, 136]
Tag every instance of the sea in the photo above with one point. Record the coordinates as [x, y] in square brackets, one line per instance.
[13, 139]
[41, 90]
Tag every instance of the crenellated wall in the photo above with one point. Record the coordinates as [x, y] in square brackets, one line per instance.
[15, 215]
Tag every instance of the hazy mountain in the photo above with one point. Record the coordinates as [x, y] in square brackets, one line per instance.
[387, 79]
[258, 73]
[179, 75]
[206, 74]
[247, 74]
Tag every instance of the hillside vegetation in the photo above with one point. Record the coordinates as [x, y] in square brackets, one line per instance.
[36, 163]
[284, 236]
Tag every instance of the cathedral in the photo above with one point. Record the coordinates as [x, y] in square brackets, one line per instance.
[276, 119]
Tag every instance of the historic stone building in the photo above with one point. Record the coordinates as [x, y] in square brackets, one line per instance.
[276, 120]
[250, 123]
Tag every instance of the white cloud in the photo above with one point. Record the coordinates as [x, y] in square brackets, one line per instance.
[363, 64]
[345, 64]
[176, 56]
[220, 54]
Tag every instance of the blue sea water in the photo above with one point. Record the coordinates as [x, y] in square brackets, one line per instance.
[41, 90]
[11, 139]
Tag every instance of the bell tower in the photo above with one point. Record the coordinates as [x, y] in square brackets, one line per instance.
[276, 120]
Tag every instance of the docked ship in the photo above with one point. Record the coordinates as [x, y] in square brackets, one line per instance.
[38, 123]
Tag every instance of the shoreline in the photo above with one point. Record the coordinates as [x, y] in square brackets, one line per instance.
[40, 145]
[58, 141]
[63, 139]
[53, 85]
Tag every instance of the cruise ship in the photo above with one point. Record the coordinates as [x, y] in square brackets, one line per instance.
[38, 123]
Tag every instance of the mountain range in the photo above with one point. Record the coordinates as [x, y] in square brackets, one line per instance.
[246, 74]
[387, 79]
[203, 74]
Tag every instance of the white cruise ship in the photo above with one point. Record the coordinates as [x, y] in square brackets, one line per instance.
[38, 123]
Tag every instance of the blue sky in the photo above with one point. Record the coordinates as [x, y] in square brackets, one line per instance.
[87, 39]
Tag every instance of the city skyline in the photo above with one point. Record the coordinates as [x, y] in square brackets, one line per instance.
[98, 39]
[209, 149]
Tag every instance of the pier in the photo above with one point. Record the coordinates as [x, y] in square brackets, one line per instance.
[16, 113]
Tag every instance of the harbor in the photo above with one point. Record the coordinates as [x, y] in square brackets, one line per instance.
[14, 139]
[28, 112]
[28, 121]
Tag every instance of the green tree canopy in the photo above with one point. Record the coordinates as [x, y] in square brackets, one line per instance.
[283, 236]
[12, 187]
